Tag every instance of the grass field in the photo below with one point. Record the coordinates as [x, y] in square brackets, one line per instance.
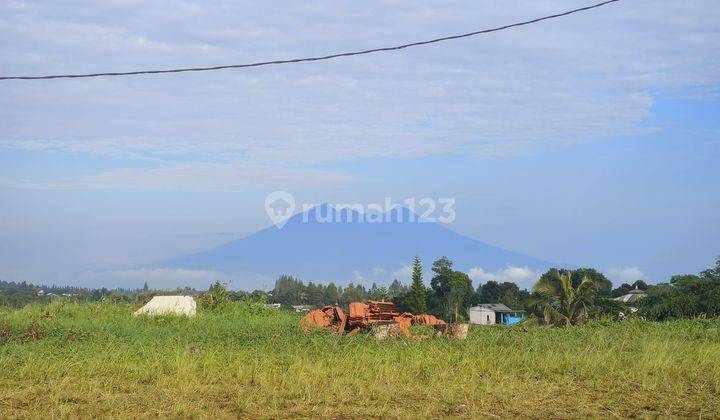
[68, 360]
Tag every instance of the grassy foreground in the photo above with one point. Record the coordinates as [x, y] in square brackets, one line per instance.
[94, 359]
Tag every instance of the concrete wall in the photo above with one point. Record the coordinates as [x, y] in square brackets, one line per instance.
[482, 316]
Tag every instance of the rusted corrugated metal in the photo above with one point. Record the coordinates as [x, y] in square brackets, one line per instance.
[363, 315]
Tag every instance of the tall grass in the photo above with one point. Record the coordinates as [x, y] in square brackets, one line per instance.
[94, 359]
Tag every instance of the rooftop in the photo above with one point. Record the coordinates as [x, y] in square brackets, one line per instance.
[632, 296]
[497, 307]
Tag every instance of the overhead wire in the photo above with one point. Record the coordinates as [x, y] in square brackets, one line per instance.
[308, 59]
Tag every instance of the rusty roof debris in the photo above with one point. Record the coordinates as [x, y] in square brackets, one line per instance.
[366, 315]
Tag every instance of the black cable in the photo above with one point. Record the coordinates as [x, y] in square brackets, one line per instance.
[298, 60]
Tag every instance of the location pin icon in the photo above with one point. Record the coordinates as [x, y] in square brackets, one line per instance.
[279, 206]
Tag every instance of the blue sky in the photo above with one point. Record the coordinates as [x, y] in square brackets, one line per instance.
[591, 140]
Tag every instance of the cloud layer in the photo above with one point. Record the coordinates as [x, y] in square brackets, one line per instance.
[158, 278]
[574, 80]
[625, 274]
[522, 276]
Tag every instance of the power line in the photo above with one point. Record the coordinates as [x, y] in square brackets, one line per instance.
[299, 60]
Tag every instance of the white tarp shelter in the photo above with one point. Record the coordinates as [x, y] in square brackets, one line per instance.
[169, 305]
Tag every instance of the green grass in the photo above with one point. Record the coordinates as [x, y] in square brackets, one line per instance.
[96, 360]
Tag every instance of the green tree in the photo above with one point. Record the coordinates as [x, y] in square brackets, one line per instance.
[625, 288]
[289, 291]
[383, 294]
[640, 284]
[452, 291]
[353, 293]
[507, 293]
[562, 302]
[216, 298]
[459, 296]
[397, 289]
[442, 271]
[686, 296]
[417, 297]
[489, 292]
[440, 287]
[315, 294]
[600, 284]
[331, 296]
[712, 273]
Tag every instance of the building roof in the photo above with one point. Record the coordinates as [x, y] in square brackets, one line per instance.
[497, 307]
[632, 296]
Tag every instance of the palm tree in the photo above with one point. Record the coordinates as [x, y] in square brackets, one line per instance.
[562, 302]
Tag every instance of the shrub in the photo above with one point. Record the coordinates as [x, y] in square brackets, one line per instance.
[216, 298]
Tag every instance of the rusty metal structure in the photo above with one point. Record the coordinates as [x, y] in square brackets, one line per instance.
[363, 315]
[328, 317]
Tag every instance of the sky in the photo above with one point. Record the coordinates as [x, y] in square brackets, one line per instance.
[590, 140]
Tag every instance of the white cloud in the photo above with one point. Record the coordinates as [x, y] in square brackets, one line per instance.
[625, 274]
[357, 276]
[195, 176]
[572, 80]
[159, 278]
[522, 276]
[378, 270]
[403, 273]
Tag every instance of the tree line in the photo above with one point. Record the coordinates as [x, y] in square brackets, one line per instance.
[559, 296]
[449, 295]
[685, 296]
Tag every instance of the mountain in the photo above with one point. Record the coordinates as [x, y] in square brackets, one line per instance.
[312, 249]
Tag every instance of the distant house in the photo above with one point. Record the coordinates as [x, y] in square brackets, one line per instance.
[631, 298]
[302, 308]
[40, 292]
[495, 313]
[274, 305]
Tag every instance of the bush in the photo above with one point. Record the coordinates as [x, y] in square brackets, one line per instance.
[216, 298]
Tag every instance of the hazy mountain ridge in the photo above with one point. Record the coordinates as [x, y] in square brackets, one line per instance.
[314, 249]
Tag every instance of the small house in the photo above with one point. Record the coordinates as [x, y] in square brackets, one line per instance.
[495, 313]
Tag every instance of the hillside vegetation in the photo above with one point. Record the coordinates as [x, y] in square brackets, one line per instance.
[94, 359]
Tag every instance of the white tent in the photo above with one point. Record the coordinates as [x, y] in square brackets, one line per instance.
[169, 305]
